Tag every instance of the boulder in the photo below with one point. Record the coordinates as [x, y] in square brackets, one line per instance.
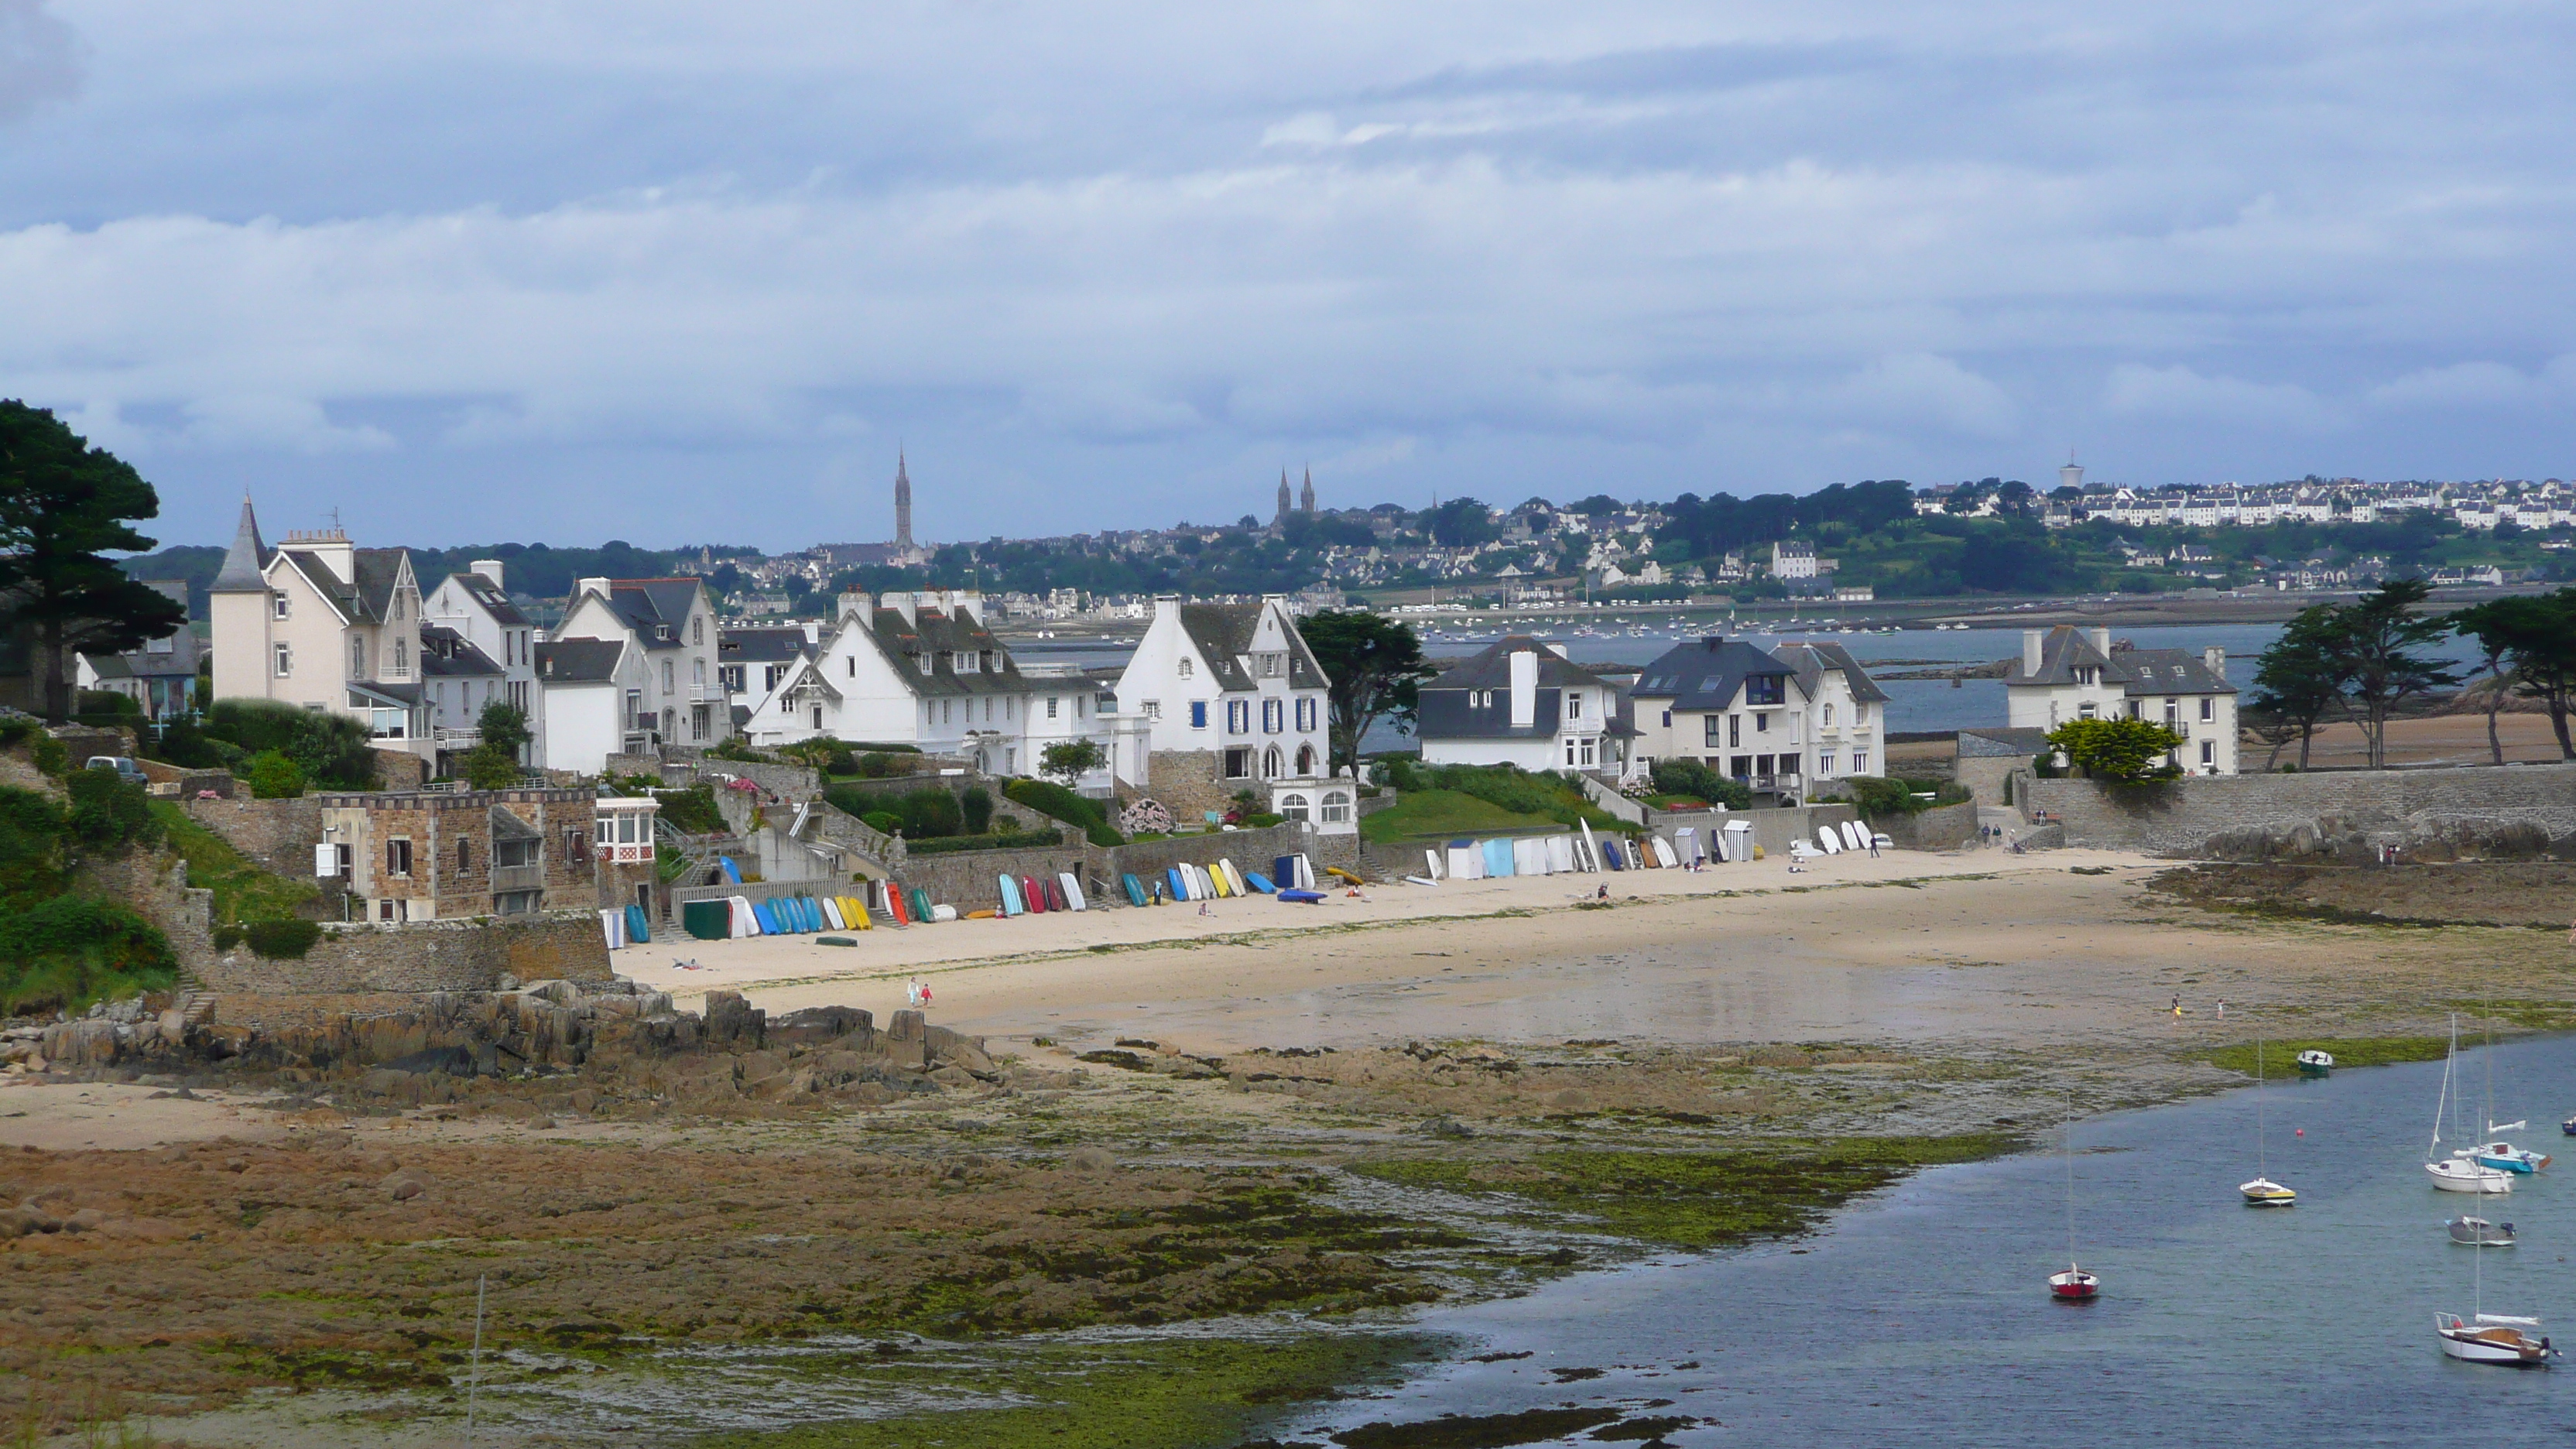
[403, 1186]
[1091, 1160]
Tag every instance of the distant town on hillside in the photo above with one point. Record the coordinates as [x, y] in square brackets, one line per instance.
[1881, 539]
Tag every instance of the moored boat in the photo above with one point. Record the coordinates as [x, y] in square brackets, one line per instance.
[2494, 1338]
[2505, 1157]
[2314, 1063]
[2471, 1232]
[2264, 1192]
[2458, 1172]
[2074, 1285]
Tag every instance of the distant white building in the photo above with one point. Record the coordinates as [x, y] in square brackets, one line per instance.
[2067, 674]
[637, 657]
[1232, 699]
[1793, 559]
[1520, 702]
[477, 609]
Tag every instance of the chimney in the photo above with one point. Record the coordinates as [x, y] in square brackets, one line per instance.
[2030, 653]
[1167, 606]
[813, 631]
[489, 568]
[968, 604]
[2102, 641]
[1524, 688]
[2214, 659]
[589, 586]
[852, 605]
[908, 605]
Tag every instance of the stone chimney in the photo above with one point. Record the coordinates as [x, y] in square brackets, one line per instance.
[489, 568]
[1524, 688]
[2214, 659]
[968, 604]
[852, 605]
[908, 605]
[589, 586]
[2102, 641]
[2031, 652]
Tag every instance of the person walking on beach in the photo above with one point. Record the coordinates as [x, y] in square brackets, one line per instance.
[2177, 1008]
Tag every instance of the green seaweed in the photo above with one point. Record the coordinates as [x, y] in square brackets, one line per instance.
[1770, 1188]
[1174, 1393]
[2280, 1058]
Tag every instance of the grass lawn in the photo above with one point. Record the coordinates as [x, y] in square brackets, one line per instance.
[1446, 815]
[243, 891]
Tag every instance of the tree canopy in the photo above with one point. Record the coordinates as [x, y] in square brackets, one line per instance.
[2117, 748]
[2534, 638]
[1376, 670]
[64, 506]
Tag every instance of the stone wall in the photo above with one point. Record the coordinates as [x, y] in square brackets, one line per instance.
[1943, 827]
[2432, 814]
[426, 956]
[969, 879]
[1987, 778]
[401, 770]
[160, 892]
[1250, 850]
[278, 835]
[1185, 782]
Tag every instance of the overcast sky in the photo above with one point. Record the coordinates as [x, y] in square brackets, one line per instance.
[684, 273]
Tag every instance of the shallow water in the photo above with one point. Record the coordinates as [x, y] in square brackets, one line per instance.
[1922, 1317]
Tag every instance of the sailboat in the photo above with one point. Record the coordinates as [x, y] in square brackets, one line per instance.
[2503, 1156]
[2074, 1285]
[2458, 1172]
[2263, 1191]
[2491, 1337]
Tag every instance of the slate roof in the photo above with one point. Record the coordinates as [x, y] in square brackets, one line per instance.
[369, 597]
[1995, 744]
[1491, 668]
[1223, 634]
[491, 596]
[918, 651]
[1705, 673]
[444, 653]
[647, 604]
[1811, 659]
[2138, 672]
[761, 644]
[579, 661]
[244, 560]
[1447, 711]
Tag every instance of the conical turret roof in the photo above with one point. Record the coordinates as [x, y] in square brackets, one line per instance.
[242, 562]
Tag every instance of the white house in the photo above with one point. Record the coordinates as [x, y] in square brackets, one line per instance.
[594, 691]
[1727, 704]
[1844, 711]
[1519, 702]
[923, 670]
[324, 625]
[476, 607]
[457, 681]
[669, 629]
[1230, 698]
[2066, 673]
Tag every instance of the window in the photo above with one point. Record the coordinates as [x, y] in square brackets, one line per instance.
[1051, 706]
[1829, 716]
[1293, 806]
[2209, 752]
[285, 660]
[165, 645]
[697, 671]
[1860, 762]
[1273, 765]
[1306, 760]
[278, 606]
[1305, 715]
[2208, 709]
[850, 666]
[1337, 807]
[670, 678]
[945, 707]
[698, 721]
[1274, 716]
[398, 857]
[1708, 727]
[1825, 763]
[2085, 710]
[818, 716]
[1238, 762]
[357, 658]
[1574, 704]
[1860, 714]
[1763, 689]
[1198, 714]
[1569, 752]
[1153, 709]
[1272, 664]
[1734, 730]
[698, 634]
[402, 656]
[1238, 717]
[1186, 667]
[385, 910]
[1668, 722]
[635, 709]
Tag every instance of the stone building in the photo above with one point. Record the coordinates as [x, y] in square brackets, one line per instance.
[438, 855]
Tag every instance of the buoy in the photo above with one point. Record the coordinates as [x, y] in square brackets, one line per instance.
[2300, 1132]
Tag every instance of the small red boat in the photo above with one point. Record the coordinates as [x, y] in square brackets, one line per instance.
[2074, 1285]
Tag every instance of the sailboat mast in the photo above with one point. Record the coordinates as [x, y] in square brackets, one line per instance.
[2443, 1098]
[2262, 1158]
[2070, 1180]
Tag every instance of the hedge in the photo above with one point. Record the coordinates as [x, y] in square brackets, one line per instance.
[1017, 840]
[73, 950]
[1053, 799]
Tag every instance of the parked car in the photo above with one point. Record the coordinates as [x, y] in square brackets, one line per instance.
[123, 765]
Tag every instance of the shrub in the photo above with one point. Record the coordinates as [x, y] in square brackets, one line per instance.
[1878, 799]
[931, 812]
[330, 749]
[275, 777]
[282, 940]
[108, 813]
[49, 756]
[692, 811]
[883, 822]
[67, 952]
[190, 748]
[1690, 777]
[876, 764]
[1016, 840]
[975, 809]
[227, 937]
[489, 767]
[1049, 798]
[1260, 819]
[31, 847]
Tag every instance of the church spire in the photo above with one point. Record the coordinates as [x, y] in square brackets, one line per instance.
[241, 571]
[1283, 500]
[902, 503]
[1306, 500]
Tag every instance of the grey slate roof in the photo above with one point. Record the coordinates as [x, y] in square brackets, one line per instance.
[918, 651]
[1705, 673]
[2138, 672]
[646, 604]
[491, 596]
[761, 644]
[368, 598]
[579, 661]
[1995, 744]
[1812, 658]
[244, 560]
[444, 653]
[1491, 668]
[1223, 634]
[1448, 710]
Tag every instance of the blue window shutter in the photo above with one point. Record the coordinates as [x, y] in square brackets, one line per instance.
[1198, 714]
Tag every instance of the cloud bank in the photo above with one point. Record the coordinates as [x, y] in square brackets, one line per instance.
[591, 270]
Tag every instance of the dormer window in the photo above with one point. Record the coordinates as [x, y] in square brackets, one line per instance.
[663, 633]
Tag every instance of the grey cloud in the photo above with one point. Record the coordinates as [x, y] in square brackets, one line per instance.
[40, 59]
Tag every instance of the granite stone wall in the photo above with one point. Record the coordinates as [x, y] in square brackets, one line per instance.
[278, 835]
[2431, 814]
[425, 956]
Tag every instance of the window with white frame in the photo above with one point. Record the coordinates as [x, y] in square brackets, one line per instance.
[1569, 751]
[1293, 806]
[1825, 763]
[1188, 667]
[1051, 699]
[1238, 716]
[1829, 716]
[1274, 716]
[2208, 709]
[1337, 807]
[1153, 709]
[285, 660]
[1305, 714]
[278, 606]
[1574, 704]
[1591, 752]
[1860, 762]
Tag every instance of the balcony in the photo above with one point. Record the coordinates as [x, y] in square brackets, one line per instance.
[705, 693]
[456, 740]
[509, 878]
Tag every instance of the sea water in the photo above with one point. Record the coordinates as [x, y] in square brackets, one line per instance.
[1922, 1316]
